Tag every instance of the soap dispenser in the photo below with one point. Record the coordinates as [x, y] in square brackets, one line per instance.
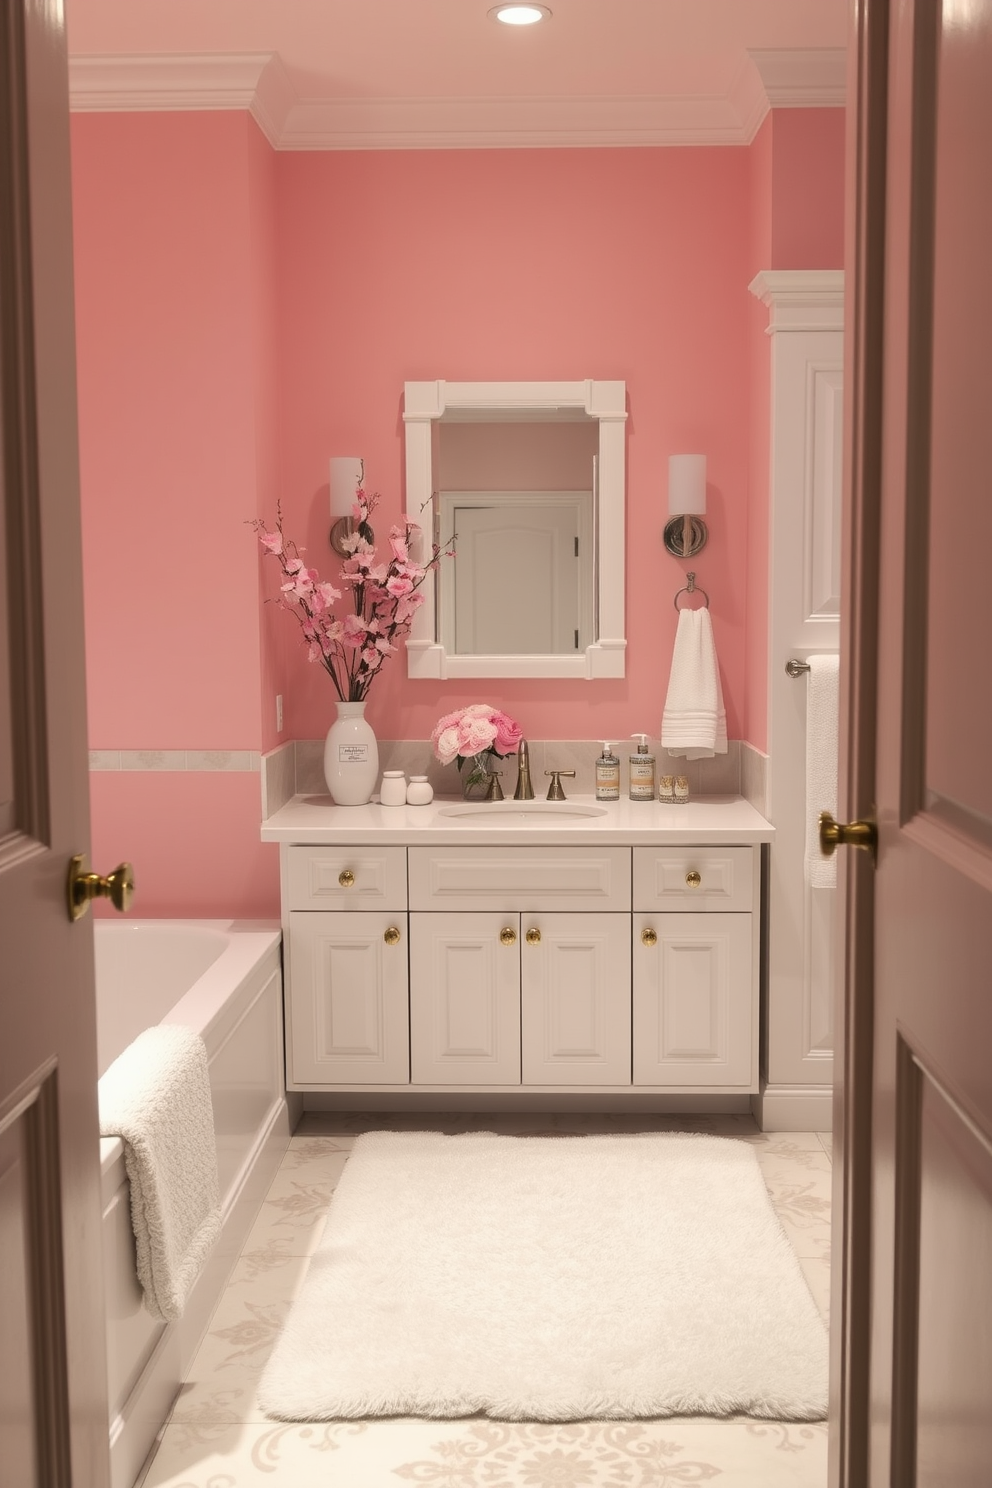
[642, 771]
[608, 775]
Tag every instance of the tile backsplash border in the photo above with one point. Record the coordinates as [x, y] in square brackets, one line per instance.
[297, 768]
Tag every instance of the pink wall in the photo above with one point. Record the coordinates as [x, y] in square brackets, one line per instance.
[175, 269]
[244, 315]
[632, 264]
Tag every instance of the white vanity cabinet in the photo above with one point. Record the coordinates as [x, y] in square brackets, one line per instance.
[435, 962]
[520, 966]
[347, 967]
[695, 967]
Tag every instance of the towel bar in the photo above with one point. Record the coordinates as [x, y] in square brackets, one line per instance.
[796, 668]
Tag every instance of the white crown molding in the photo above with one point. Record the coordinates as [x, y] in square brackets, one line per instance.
[803, 79]
[254, 81]
[801, 299]
[259, 83]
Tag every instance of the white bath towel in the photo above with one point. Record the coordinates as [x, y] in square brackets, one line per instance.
[822, 702]
[156, 1096]
[694, 722]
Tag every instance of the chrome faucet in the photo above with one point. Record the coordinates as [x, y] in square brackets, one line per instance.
[524, 790]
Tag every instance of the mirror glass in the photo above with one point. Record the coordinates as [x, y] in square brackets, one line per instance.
[522, 480]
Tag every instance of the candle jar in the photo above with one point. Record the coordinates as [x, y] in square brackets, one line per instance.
[419, 792]
[392, 791]
[666, 789]
[681, 789]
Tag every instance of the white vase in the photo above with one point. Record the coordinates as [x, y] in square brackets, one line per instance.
[351, 757]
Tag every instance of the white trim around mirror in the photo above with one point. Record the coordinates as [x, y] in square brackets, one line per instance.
[424, 403]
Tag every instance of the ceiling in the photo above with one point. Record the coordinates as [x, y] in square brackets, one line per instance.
[394, 74]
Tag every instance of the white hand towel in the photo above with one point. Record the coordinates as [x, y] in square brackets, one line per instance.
[822, 704]
[694, 722]
[156, 1096]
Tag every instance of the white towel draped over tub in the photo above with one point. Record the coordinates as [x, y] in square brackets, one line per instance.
[694, 722]
[822, 705]
[156, 1096]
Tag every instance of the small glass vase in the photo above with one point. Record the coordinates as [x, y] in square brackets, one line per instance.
[351, 757]
[476, 772]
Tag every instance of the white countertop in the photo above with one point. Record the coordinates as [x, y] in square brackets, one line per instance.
[723, 820]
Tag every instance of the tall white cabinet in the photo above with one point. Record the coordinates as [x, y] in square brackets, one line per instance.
[805, 326]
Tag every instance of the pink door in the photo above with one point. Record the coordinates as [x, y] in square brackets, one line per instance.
[53, 1410]
[912, 1323]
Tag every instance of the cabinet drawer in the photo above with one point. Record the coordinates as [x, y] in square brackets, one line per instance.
[690, 879]
[346, 877]
[520, 878]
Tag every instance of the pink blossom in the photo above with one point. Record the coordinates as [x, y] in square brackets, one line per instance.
[398, 544]
[508, 733]
[399, 585]
[271, 540]
[472, 730]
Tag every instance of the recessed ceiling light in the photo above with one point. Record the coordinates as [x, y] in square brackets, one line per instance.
[520, 15]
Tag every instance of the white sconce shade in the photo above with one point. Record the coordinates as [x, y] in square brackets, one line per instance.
[686, 485]
[685, 530]
[347, 473]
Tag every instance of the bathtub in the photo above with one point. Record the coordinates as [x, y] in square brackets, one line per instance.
[223, 978]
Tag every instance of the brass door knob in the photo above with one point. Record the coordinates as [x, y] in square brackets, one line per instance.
[391, 936]
[533, 936]
[346, 878]
[649, 937]
[834, 834]
[83, 886]
[507, 936]
[693, 879]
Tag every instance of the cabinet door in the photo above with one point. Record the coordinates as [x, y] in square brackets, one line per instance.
[693, 1000]
[465, 999]
[575, 999]
[348, 1014]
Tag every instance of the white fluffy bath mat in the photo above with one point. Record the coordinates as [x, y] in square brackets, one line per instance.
[550, 1279]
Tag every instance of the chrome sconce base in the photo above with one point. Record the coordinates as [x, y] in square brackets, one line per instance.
[685, 536]
[343, 529]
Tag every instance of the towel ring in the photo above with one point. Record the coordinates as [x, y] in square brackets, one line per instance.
[690, 588]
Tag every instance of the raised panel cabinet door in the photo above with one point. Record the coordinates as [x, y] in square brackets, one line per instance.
[348, 1018]
[465, 999]
[693, 1000]
[575, 999]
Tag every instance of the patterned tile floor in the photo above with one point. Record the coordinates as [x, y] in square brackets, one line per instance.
[217, 1436]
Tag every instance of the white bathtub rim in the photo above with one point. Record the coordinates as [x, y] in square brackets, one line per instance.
[211, 1005]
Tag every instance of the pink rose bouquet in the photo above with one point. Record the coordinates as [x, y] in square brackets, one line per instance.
[351, 647]
[478, 733]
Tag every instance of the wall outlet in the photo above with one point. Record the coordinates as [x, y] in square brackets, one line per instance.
[278, 712]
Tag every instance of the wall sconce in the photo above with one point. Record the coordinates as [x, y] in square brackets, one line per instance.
[685, 530]
[347, 474]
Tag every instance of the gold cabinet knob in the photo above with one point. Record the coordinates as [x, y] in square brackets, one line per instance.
[507, 936]
[533, 936]
[693, 879]
[391, 936]
[346, 878]
[834, 834]
[84, 886]
[649, 937]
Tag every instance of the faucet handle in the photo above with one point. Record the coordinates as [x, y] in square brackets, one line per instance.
[555, 792]
[494, 791]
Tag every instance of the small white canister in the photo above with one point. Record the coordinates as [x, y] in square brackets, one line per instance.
[392, 791]
[419, 792]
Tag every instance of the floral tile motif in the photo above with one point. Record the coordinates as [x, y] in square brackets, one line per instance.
[493, 1454]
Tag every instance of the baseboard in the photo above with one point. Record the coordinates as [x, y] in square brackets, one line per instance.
[689, 1105]
[794, 1108]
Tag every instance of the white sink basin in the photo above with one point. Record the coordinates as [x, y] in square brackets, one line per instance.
[517, 809]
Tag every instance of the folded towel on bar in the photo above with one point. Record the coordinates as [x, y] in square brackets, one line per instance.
[156, 1096]
[822, 705]
[694, 722]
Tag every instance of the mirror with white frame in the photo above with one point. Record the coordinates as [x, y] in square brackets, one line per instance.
[528, 477]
